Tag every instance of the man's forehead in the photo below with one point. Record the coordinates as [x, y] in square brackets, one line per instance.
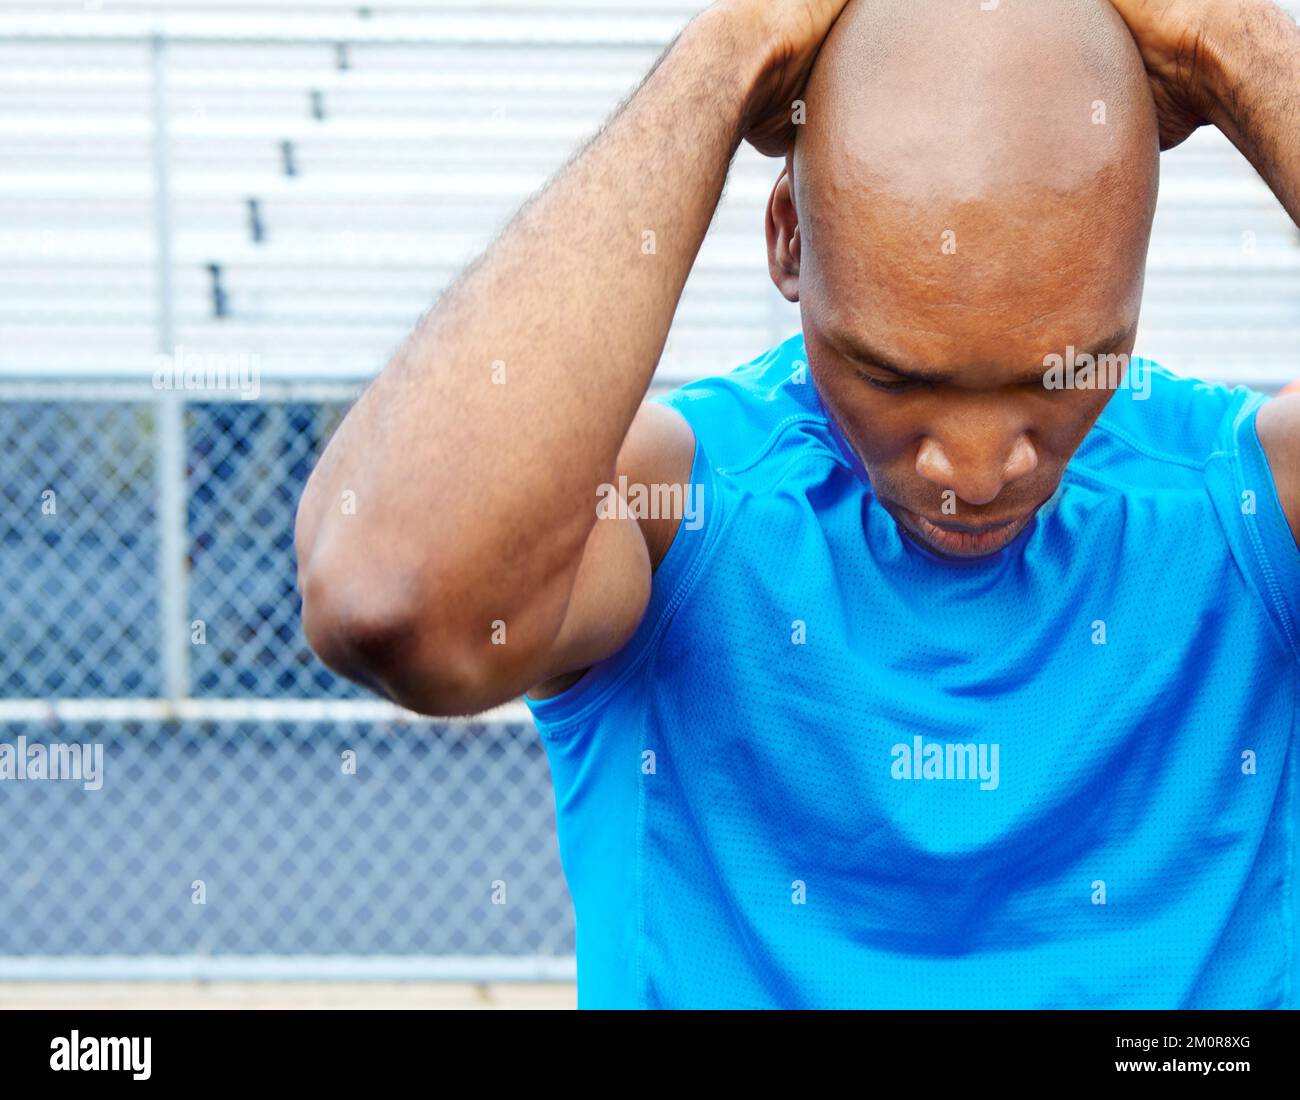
[1009, 357]
[1026, 253]
[970, 255]
[937, 313]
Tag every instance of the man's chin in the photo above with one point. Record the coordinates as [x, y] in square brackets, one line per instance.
[961, 541]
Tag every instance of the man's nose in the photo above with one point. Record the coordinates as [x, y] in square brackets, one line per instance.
[977, 470]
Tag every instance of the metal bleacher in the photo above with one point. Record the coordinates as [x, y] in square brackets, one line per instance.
[329, 173]
[331, 166]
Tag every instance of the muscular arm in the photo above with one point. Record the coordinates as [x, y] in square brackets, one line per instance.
[455, 508]
[1256, 103]
[1255, 66]
[1236, 64]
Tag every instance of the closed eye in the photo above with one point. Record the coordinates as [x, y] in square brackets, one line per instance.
[889, 385]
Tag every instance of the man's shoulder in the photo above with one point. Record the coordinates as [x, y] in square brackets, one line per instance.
[739, 416]
[1167, 426]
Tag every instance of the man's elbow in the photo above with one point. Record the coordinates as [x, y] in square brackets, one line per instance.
[376, 632]
[350, 622]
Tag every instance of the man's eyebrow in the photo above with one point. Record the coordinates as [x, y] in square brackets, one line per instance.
[865, 354]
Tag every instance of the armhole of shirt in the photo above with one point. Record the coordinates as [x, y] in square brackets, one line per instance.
[561, 714]
[1245, 496]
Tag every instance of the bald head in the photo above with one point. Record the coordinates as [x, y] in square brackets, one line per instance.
[970, 193]
[956, 163]
[963, 102]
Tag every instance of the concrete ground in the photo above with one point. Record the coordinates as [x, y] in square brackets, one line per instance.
[181, 994]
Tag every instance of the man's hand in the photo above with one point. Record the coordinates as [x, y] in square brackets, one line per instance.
[1233, 63]
[1178, 40]
[792, 32]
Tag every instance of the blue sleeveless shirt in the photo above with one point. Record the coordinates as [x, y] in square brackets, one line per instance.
[833, 770]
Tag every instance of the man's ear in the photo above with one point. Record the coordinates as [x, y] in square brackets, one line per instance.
[783, 241]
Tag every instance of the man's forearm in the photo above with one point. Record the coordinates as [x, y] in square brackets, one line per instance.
[477, 451]
[1254, 76]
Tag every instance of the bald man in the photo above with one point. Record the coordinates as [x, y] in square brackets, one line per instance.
[943, 656]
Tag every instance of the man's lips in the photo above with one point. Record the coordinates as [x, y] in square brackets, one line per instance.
[964, 539]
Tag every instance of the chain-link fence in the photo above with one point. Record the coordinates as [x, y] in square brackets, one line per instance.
[270, 808]
[285, 189]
